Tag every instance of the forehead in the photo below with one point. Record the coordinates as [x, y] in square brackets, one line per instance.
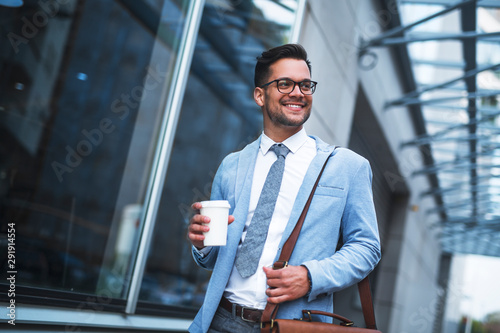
[294, 69]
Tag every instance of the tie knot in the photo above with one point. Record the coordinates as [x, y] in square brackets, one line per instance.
[280, 149]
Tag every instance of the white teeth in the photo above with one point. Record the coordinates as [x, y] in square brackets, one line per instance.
[293, 106]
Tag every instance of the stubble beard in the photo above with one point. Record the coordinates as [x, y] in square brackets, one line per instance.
[279, 118]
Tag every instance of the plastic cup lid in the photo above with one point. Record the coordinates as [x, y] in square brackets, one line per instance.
[216, 203]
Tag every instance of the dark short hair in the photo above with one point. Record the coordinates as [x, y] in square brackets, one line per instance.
[267, 58]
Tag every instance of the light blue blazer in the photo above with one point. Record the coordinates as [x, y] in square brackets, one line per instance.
[343, 202]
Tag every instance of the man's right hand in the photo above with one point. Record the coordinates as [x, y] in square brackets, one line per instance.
[198, 225]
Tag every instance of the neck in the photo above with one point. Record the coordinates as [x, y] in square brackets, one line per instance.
[282, 133]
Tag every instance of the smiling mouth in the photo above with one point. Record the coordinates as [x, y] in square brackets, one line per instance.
[294, 106]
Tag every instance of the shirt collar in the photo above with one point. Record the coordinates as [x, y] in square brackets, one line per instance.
[293, 143]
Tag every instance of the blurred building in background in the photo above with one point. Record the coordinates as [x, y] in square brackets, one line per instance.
[116, 114]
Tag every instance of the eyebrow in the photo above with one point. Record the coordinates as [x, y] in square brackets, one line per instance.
[287, 78]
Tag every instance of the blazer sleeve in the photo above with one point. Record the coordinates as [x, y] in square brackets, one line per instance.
[208, 260]
[360, 252]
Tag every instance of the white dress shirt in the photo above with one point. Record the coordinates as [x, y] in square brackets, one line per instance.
[250, 291]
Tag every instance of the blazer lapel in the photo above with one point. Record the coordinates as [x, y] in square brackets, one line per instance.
[323, 151]
[243, 187]
[246, 167]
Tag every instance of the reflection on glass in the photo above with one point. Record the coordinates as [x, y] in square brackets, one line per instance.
[218, 116]
[81, 95]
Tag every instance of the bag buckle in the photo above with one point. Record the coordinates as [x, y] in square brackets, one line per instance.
[280, 264]
[262, 324]
[350, 323]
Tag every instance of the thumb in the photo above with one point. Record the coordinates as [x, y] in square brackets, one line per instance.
[268, 270]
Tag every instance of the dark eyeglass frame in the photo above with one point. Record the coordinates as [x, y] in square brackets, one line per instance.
[313, 87]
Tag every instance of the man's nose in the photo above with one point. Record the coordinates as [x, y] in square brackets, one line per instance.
[296, 91]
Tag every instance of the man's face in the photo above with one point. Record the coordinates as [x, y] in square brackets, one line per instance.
[285, 110]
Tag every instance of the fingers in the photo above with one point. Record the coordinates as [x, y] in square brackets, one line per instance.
[274, 277]
[196, 206]
[286, 284]
[278, 299]
[197, 226]
[196, 229]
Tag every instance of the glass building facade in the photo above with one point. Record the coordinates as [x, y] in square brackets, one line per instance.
[114, 117]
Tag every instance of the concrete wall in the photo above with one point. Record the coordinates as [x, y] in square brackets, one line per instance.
[406, 291]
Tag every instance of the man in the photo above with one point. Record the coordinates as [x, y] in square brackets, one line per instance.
[342, 207]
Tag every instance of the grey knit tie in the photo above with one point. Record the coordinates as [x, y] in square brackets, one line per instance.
[251, 250]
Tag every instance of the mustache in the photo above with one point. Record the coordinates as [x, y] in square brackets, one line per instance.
[296, 100]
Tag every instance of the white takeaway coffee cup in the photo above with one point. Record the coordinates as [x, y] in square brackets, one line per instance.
[218, 212]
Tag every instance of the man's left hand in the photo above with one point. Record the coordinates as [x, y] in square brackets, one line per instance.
[286, 284]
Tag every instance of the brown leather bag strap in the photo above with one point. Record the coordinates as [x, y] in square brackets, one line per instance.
[365, 295]
[271, 309]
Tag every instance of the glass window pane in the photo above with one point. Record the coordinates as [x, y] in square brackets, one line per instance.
[218, 116]
[83, 89]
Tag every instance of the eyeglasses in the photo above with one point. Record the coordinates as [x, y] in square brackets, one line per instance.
[286, 86]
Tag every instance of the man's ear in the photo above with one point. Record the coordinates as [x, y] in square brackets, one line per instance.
[258, 96]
